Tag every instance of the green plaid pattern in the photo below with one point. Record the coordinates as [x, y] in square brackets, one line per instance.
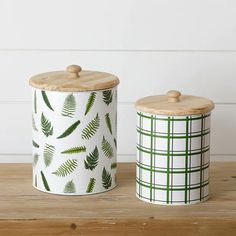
[173, 158]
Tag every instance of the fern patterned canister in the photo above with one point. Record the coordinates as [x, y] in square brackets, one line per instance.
[74, 116]
[173, 148]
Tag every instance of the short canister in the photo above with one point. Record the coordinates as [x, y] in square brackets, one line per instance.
[173, 148]
[74, 116]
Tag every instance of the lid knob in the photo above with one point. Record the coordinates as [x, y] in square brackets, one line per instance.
[173, 95]
[74, 71]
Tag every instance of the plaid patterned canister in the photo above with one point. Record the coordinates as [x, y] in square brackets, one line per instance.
[173, 155]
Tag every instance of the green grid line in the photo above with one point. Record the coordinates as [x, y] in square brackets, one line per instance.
[174, 137]
[172, 189]
[190, 160]
[171, 155]
[151, 159]
[174, 119]
[178, 151]
[176, 186]
[186, 162]
[168, 162]
[173, 172]
[174, 154]
[176, 133]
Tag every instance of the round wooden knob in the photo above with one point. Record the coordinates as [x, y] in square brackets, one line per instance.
[173, 95]
[74, 71]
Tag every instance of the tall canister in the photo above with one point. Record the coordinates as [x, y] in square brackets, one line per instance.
[74, 116]
[173, 148]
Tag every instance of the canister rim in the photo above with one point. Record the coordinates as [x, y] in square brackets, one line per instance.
[74, 81]
[173, 103]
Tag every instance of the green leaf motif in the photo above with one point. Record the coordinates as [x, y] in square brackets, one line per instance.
[45, 98]
[45, 183]
[74, 150]
[69, 187]
[108, 122]
[107, 96]
[92, 127]
[66, 168]
[90, 102]
[35, 159]
[115, 142]
[69, 106]
[106, 179]
[92, 159]
[91, 185]
[35, 102]
[69, 130]
[48, 154]
[107, 148]
[35, 144]
[33, 124]
[113, 165]
[46, 126]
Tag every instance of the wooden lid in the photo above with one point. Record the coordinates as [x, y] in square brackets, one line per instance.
[74, 79]
[173, 103]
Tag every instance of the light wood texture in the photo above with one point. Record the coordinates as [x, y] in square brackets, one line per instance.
[74, 71]
[16, 136]
[164, 44]
[26, 211]
[173, 103]
[74, 80]
[173, 95]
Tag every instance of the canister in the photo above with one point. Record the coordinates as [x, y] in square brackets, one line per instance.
[173, 148]
[74, 120]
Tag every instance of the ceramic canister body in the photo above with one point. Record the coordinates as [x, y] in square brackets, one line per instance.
[173, 156]
[74, 141]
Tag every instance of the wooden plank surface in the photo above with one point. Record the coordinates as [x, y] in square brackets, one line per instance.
[26, 211]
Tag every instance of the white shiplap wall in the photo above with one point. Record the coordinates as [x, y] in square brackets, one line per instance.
[152, 46]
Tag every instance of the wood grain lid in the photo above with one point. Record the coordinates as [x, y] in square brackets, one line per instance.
[74, 79]
[173, 103]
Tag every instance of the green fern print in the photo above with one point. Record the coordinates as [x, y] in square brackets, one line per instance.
[107, 148]
[69, 187]
[45, 99]
[69, 130]
[74, 150]
[92, 159]
[91, 185]
[46, 126]
[48, 154]
[35, 102]
[45, 183]
[108, 122]
[74, 141]
[66, 168]
[35, 159]
[92, 127]
[69, 106]
[107, 96]
[33, 124]
[90, 102]
[113, 165]
[115, 142]
[106, 179]
[35, 144]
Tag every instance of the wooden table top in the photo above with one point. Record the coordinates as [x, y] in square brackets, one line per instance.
[26, 211]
